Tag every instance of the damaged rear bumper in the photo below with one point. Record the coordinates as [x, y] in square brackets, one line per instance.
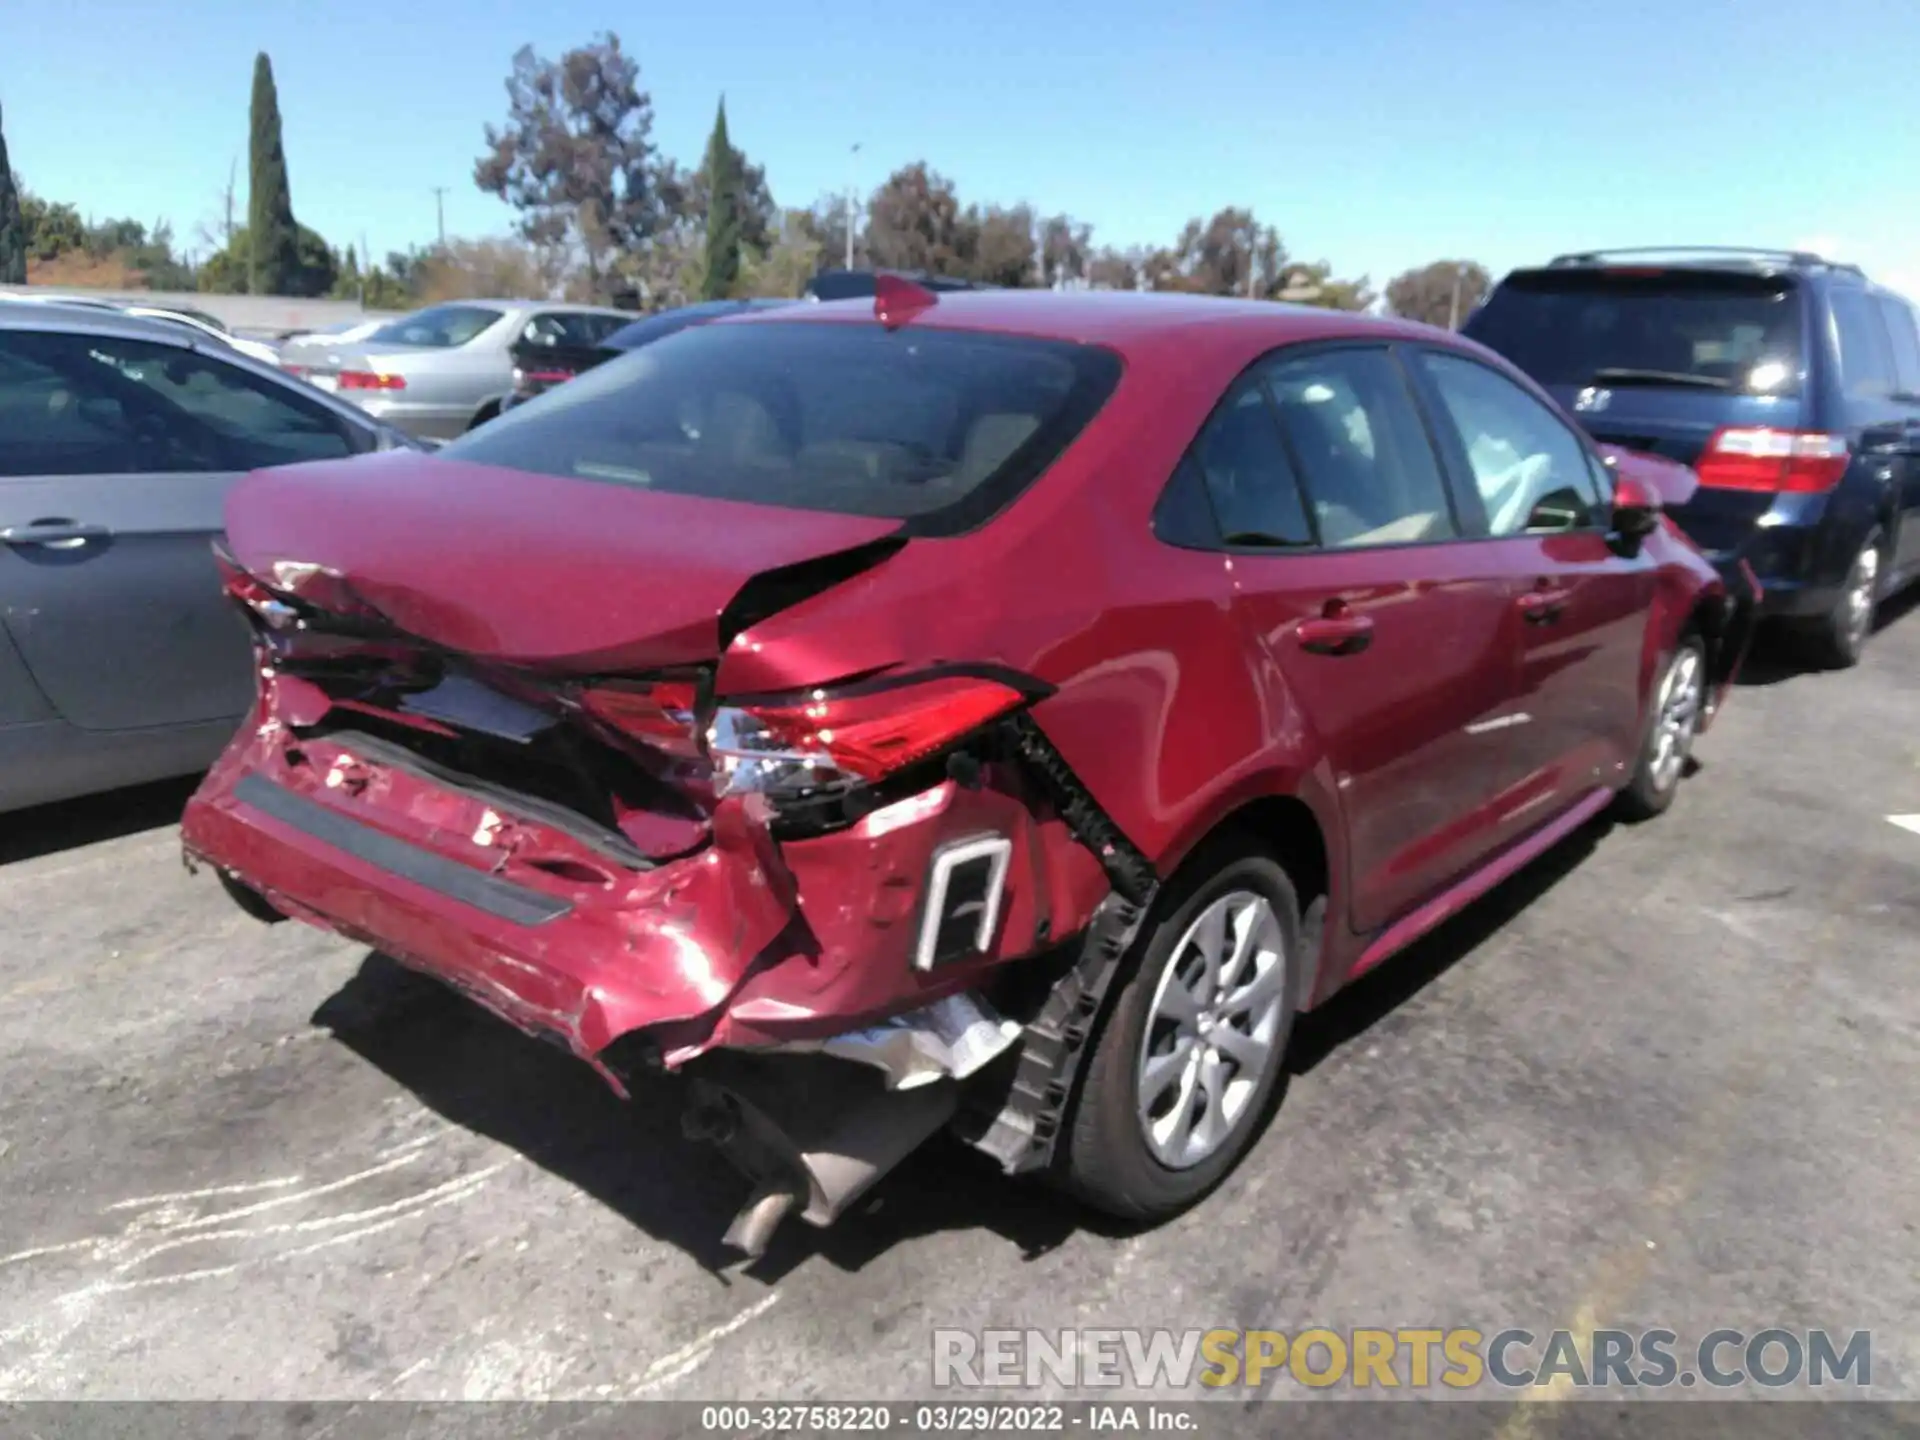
[747, 942]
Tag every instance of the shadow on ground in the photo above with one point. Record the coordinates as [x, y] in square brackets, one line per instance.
[69, 824]
[1778, 654]
[479, 1073]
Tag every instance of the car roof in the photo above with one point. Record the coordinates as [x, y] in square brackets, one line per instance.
[1121, 320]
[567, 307]
[89, 319]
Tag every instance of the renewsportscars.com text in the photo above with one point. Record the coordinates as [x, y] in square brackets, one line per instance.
[1410, 1358]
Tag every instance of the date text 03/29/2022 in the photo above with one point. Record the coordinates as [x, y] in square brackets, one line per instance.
[946, 1418]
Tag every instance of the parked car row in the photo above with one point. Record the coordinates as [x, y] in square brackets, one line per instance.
[441, 371]
[996, 711]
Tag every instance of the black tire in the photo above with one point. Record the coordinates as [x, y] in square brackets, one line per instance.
[1108, 1161]
[250, 900]
[1651, 790]
[486, 412]
[1838, 639]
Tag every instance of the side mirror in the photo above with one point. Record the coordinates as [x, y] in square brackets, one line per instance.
[1636, 510]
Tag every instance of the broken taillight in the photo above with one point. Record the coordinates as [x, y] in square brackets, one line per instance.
[253, 595]
[832, 740]
[660, 715]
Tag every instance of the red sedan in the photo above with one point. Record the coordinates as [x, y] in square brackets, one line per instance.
[999, 711]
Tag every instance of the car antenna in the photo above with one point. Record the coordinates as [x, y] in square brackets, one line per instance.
[897, 299]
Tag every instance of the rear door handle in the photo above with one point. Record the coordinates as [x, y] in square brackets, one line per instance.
[1543, 607]
[1336, 634]
[60, 533]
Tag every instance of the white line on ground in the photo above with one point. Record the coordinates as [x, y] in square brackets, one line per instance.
[1907, 822]
[690, 1357]
[210, 1193]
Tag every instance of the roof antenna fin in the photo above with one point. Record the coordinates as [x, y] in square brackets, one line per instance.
[897, 299]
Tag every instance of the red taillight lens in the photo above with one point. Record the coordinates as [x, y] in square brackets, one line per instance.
[826, 739]
[370, 380]
[1762, 458]
[546, 377]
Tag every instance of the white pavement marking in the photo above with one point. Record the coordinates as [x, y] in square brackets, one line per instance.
[34, 1352]
[691, 1356]
[1907, 822]
[210, 1193]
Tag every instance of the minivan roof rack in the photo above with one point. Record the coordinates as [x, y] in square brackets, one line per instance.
[1801, 259]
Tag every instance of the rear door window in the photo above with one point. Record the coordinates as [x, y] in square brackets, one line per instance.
[439, 327]
[101, 405]
[1532, 473]
[1255, 494]
[1866, 355]
[1364, 458]
[1693, 329]
[1904, 334]
[936, 427]
[570, 329]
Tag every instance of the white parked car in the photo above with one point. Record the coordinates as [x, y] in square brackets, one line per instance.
[207, 325]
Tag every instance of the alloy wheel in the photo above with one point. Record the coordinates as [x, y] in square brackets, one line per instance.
[1863, 592]
[1678, 718]
[1212, 1033]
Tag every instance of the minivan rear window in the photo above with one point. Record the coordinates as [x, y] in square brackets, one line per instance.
[937, 428]
[1696, 329]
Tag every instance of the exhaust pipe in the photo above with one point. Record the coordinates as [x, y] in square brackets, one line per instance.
[812, 1131]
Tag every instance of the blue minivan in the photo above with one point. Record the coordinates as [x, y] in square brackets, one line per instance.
[1790, 383]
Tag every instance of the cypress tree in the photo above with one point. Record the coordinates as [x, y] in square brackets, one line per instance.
[273, 260]
[13, 226]
[723, 212]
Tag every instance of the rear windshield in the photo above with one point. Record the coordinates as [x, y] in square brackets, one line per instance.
[933, 427]
[1714, 332]
[441, 327]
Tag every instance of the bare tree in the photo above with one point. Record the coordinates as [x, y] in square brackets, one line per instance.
[1066, 250]
[1443, 293]
[215, 236]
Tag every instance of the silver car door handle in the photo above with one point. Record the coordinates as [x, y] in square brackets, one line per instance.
[61, 532]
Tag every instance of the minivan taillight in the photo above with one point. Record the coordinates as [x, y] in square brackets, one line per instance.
[1758, 457]
[829, 740]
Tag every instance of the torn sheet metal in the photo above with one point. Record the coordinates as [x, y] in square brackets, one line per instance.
[952, 1037]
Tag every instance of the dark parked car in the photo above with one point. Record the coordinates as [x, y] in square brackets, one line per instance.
[120, 660]
[542, 362]
[1789, 383]
[860, 284]
[858, 707]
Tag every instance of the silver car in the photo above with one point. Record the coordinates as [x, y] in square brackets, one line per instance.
[440, 371]
[121, 660]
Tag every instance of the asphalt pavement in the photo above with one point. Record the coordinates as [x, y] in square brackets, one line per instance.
[1667, 1077]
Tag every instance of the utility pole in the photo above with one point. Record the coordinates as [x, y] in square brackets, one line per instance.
[366, 263]
[853, 158]
[1453, 309]
[226, 237]
[440, 212]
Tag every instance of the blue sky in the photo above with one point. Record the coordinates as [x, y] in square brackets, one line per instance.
[1376, 134]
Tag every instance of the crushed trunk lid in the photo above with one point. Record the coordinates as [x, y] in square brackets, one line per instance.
[535, 570]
